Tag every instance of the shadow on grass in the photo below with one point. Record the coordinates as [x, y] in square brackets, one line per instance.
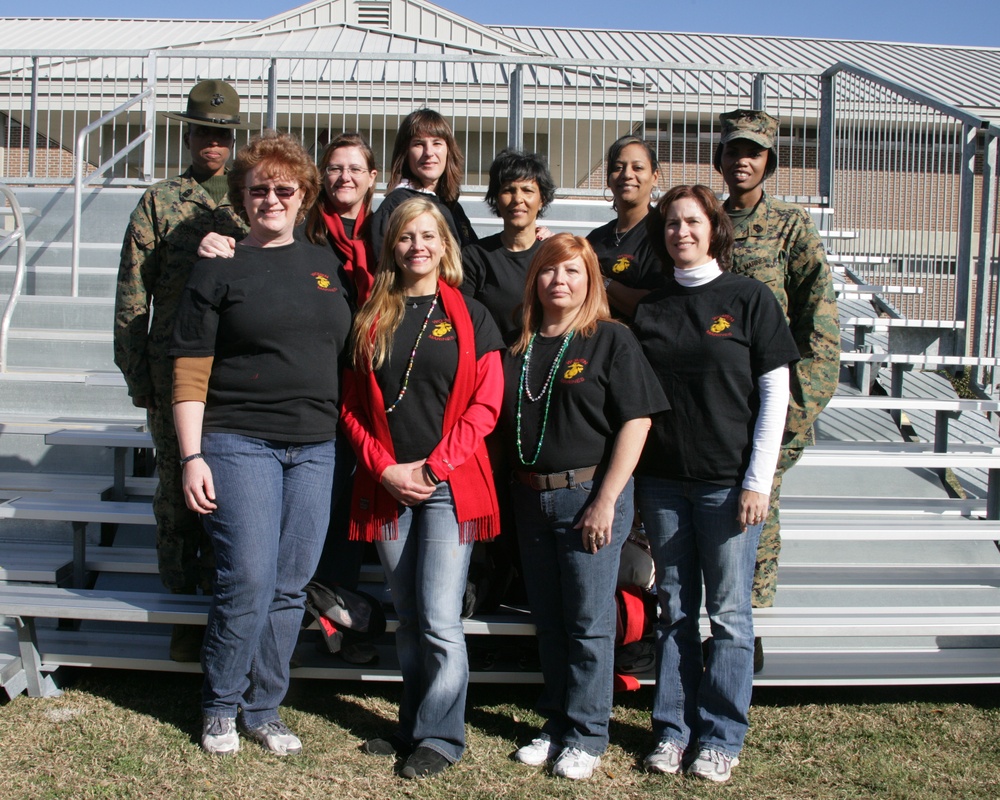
[346, 704]
[175, 699]
[168, 697]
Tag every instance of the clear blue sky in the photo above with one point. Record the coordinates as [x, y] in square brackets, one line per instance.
[973, 22]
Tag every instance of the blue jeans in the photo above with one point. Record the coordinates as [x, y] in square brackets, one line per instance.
[273, 508]
[694, 534]
[426, 567]
[572, 597]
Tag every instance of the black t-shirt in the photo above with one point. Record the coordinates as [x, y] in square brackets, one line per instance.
[495, 276]
[416, 424]
[708, 345]
[276, 321]
[348, 286]
[602, 382]
[632, 261]
[453, 213]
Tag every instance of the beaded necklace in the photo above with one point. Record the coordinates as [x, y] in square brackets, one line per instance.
[413, 355]
[546, 392]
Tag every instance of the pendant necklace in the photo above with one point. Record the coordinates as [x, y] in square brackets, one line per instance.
[619, 235]
[546, 393]
[413, 354]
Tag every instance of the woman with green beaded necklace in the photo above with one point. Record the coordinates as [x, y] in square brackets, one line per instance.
[577, 405]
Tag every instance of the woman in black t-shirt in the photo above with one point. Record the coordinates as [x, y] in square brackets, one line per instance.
[424, 391]
[577, 407]
[628, 264]
[495, 268]
[721, 348]
[426, 162]
[338, 221]
[257, 344]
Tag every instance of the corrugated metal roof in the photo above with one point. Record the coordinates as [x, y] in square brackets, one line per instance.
[339, 38]
[38, 33]
[968, 77]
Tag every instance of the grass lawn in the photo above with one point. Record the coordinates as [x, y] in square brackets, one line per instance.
[131, 735]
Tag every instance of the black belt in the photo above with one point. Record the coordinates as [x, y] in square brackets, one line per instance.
[542, 482]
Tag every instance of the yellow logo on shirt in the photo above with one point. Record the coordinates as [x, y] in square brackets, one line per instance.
[573, 373]
[622, 264]
[720, 325]
[323, 282]
[441, 329]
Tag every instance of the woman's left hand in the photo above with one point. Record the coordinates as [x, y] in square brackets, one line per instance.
[753, 508]
[596, 525]
[542, 233]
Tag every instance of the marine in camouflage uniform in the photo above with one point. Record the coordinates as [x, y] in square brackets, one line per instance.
[777, 243]
[160, 247]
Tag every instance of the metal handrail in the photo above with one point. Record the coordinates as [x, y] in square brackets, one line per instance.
[79, 181]
[15, 236]
[968, 305]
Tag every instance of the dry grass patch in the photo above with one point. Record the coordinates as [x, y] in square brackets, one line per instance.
[134, 735]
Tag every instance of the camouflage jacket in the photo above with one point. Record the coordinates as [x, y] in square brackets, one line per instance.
[160, 247]
[780, 246]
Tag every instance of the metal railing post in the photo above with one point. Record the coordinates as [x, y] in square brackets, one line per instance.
[33, 142]
[149, 148]
[963, 262]
[757, 94]
[515, 111]
[827, 128]
[986, 289]
[272, 95]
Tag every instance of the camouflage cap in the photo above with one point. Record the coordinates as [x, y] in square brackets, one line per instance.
[212, 103]
[757, 126]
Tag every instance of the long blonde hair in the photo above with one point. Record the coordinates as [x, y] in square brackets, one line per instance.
[556, 250]
[378, 319]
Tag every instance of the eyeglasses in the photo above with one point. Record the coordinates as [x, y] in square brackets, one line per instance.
[336, 170]
[282, 192]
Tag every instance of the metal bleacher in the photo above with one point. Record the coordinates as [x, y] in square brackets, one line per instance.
[887, 577]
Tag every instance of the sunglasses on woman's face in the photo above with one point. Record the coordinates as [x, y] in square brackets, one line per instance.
[282, 192]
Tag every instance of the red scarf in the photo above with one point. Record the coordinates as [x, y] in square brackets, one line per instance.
[357, 253]
[374, 512]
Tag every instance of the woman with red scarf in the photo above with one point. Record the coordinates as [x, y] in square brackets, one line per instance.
[340, 218]
[425, 389]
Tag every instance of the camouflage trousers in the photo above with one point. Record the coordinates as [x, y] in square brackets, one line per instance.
[183, 549]
[765, 576]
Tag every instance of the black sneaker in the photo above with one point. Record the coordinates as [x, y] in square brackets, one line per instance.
[423, 763]
[393, 746]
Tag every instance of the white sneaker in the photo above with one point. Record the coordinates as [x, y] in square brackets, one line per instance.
[541, 750]
[575, 764]
[713, 765]
[219, 737]
[665, 759]
[274, 736]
